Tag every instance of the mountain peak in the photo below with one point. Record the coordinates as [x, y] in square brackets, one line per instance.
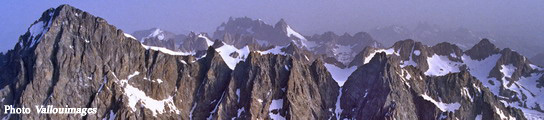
[485, 42]
[378, 57]
[39, 27]
[281, 24]
[482, 50]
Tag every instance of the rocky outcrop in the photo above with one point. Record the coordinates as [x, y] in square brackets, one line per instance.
[482, 50]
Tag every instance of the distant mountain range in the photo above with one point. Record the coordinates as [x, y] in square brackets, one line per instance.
[252, 70]
[464, 38]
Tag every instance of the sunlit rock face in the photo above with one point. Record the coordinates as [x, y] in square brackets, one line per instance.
[70, 58]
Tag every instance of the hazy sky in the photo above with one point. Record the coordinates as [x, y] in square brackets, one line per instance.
[306, 16]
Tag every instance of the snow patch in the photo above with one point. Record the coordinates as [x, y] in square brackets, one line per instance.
[276, 117]
[478, 117]
[240, 112]
[535, 67]
[303, 42]
[136, 95]
[532, 114]
[338, 110]
[410, 61]
[111, 116]
[104, 81]
[129, 36]
[529, 94]
[192, 110]
[216, 106]
[167, 51]
[338, 74]
[387, 52]
[208, 41]
[238, 94]
[451, 107]
[481, 70]
[157, 33]
[408, 76]
[37, 30]
[417, 52]
[226, 50]
[502, 116]
[291, 32]
[453, 55]
[276, 50]
[441, 65]
[276, 105]
[133, 74]
[466, 93]
[508, 70]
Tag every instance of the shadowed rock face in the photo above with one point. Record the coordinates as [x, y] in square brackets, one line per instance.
[70, 58]
[509, 75]
[482, 50]
[383, 90]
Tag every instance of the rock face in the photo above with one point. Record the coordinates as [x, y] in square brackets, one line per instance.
[382, 89]
[70, 58]
[507, 74]
[81, 61]
[2, 59]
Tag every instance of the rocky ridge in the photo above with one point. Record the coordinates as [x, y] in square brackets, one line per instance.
[79, 60]
[507, 74]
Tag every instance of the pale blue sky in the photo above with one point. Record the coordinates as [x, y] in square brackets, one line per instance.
[524, 17]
